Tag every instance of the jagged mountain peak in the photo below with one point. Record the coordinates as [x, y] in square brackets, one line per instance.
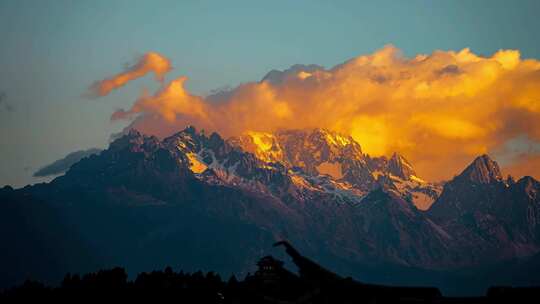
[482, 170]
[323, 152]
[400, 167]
[295, 147]
[186, 140]
[193, 140]
[317, 145]
[529, 181]
[263, 145]
[133, 133]
[320, 156]
[189, 131]
[530, 185]
[320, 135]
[135, 141]
[510, 180]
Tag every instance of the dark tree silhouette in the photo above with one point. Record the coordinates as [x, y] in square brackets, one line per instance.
[271, 283]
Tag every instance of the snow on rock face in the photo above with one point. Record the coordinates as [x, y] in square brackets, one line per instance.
[317, 161]
[323, 152]
[305, 149]
[308, 149]
[263, 145]
[196, 165]
[332, 169]
[420, 193]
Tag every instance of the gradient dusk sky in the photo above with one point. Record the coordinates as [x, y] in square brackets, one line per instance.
[52, 51]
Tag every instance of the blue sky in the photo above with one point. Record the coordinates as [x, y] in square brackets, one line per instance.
[51, 51]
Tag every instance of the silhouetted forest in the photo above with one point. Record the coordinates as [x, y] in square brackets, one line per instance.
[271, 283]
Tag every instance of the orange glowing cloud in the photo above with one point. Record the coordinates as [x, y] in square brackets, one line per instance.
[438, 110]
[150, 62]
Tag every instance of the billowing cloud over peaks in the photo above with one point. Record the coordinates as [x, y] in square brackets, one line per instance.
[439, 110]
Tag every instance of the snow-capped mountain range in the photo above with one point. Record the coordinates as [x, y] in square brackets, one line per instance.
[205, 202]
[314, 160]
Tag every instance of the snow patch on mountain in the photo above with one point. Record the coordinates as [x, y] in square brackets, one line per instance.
[338, 157]
[331, 169]
[196, 165]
